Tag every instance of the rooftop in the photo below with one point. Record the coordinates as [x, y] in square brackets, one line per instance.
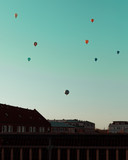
[16, 115]
[60, 124]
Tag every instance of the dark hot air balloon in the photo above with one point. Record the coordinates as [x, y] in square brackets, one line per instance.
[29, 59]
[118, 52]
[66, 92]
[96, 59]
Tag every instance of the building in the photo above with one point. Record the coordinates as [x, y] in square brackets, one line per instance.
[20, 120]
[80, 126]
[118, 127]
[60, 127]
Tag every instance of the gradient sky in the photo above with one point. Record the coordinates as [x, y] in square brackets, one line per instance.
[62, 60]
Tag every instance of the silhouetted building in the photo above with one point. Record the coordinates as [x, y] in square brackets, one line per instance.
[20, 120]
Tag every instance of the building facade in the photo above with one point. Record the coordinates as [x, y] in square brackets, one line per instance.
[80, 126]
[118, 127]
[20, 120]
[60, 127]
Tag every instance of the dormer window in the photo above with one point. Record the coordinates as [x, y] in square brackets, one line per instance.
[20, 116]
[6, 114]
[30, 117]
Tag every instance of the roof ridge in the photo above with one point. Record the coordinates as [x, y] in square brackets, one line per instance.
[7, 105]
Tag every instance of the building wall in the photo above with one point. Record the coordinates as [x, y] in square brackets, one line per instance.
[13, 128]
[118, 128]
[62, 130]
[80, 126]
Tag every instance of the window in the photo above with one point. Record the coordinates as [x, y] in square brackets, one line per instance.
[20, 116]
[41, 129]
[19, 129]
[4, 128]
[34, 129]
[23, 129]
[30, 129]
[10, 128]
[6, 114]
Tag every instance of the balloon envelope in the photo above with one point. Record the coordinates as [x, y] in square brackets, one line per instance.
[16, 15]
[86, 41]
[96, 59]
[66, 92]
[118, 52]
[29, 58]
[92, 20]
[35, 43]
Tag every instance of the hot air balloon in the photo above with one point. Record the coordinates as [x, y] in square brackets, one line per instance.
[92, 20]
[35, 43]
[86, 41]
[66, 92]
[29, 58]
[118, 52]
[96, 59]
[16, 15]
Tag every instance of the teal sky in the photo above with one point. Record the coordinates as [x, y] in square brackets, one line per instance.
[62, 60]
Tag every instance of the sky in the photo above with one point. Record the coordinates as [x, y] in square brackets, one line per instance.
[62, 60]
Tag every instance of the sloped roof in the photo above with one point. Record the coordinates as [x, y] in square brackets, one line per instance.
[60, 124]
[21, 116]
